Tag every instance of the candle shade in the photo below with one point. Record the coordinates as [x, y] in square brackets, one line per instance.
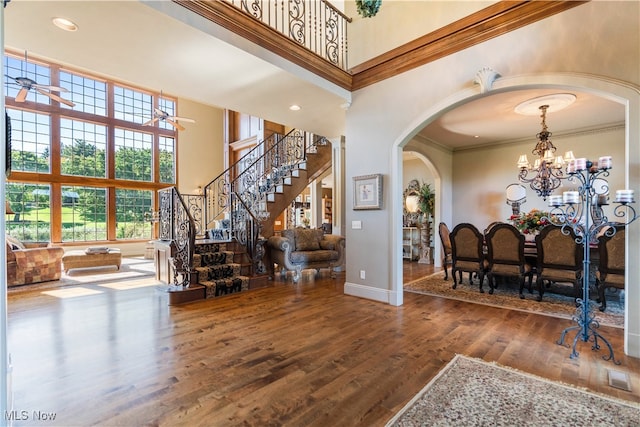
[605, 162]
[571, 166]
[555, 201]
[571, 197]
[569, 156]
[624, 196]
[523, 162]
[581, 164]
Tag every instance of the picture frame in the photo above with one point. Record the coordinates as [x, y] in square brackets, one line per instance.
[367, 192]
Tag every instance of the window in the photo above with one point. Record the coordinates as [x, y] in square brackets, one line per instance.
[83, 148]
[84, 214]
[30, 144]
[97, 158]
[32, 218]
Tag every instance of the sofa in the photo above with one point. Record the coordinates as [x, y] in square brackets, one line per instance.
[303, 248]
[32, 262]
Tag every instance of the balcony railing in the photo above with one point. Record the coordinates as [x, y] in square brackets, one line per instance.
[316, 25]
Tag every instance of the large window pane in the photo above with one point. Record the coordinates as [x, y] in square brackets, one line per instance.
[131, 105]
[17, 68]
[89, 95]
[131, 205]
[30, 141]
[31, 221]
[84, 214]
[169, 107]
[133, 155]
[82, 148]
[167, 160]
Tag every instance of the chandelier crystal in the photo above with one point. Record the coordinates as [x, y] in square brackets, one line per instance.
[546, 174]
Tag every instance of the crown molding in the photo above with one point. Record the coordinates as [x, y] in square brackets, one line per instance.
[492, 21]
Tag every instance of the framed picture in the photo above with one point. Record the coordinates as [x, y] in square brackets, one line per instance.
[367, 192]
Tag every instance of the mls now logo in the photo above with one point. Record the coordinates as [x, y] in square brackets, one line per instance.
[29, 415]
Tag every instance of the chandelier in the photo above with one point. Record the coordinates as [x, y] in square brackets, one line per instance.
[546, 174]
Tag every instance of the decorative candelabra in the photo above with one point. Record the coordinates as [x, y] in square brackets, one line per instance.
[582, 212]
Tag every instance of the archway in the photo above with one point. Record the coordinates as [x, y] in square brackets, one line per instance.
[612, 90]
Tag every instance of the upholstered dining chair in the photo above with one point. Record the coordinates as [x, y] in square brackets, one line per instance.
[505, 255]
[445, 241]
[559, 259]
[467, 254]
[610, 273]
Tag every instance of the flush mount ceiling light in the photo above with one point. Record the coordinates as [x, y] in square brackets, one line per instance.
[65, 24]
[294, 107]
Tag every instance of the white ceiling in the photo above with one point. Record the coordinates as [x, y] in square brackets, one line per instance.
[148, 44]
[135, 43]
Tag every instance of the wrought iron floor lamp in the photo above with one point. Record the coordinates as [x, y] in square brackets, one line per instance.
[582, 212]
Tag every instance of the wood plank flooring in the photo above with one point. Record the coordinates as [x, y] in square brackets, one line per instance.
[296, 355]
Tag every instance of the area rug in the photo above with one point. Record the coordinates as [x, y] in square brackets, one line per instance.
[472, 392]
[132, 269]
[555, 301]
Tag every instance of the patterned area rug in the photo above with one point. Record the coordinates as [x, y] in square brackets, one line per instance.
[555, 302]
[472, 392]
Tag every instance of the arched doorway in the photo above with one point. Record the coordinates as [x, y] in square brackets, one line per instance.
[627, 96]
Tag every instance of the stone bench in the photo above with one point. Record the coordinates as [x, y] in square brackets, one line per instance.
[81, 259]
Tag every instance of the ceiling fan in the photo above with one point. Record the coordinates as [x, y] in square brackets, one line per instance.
[160, 115]
[26, 84]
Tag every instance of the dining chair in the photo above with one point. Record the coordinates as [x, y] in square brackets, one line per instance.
[445, 241]
[610, 273]
[490, 226]
[559, 258]
[505, 255]
[467, 253]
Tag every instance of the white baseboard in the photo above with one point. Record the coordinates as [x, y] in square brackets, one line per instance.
[368, 292]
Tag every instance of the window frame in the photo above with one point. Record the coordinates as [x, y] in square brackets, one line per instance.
[57, 180]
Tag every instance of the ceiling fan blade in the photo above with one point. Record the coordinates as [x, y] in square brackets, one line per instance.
[52, 88]
[184, 119]
[22, 94]
[174, 124]
[56, 97]
[150, 122]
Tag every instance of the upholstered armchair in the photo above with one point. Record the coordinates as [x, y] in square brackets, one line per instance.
[611, 266]
[505, 255]
[32, 262]
[559, 259]
[303, 248]
[467, 253]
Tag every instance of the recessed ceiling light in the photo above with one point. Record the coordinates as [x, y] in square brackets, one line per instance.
[294, 107]
[65, 24]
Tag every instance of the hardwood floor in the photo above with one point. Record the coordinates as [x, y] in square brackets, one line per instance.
[298, 355]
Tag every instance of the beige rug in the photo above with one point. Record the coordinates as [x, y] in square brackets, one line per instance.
[554, 303]
[134, 269]
[472, 392]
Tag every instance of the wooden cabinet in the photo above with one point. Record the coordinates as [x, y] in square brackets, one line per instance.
[410, 243]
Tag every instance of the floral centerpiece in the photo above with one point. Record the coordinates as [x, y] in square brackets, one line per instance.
[531, 222]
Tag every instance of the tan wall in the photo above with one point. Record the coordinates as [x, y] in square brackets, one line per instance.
[200, 146]
[481, 175]
[370, 37]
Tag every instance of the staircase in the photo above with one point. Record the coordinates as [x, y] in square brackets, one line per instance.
[242, 204]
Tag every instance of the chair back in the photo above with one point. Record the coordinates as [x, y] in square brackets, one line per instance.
[611, 250]
[505, 245]
[558, 250]
[490, 226]
[445, 238]
[466, 243]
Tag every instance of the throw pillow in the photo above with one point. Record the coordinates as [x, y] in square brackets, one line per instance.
[14, 243]
[308, 240]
